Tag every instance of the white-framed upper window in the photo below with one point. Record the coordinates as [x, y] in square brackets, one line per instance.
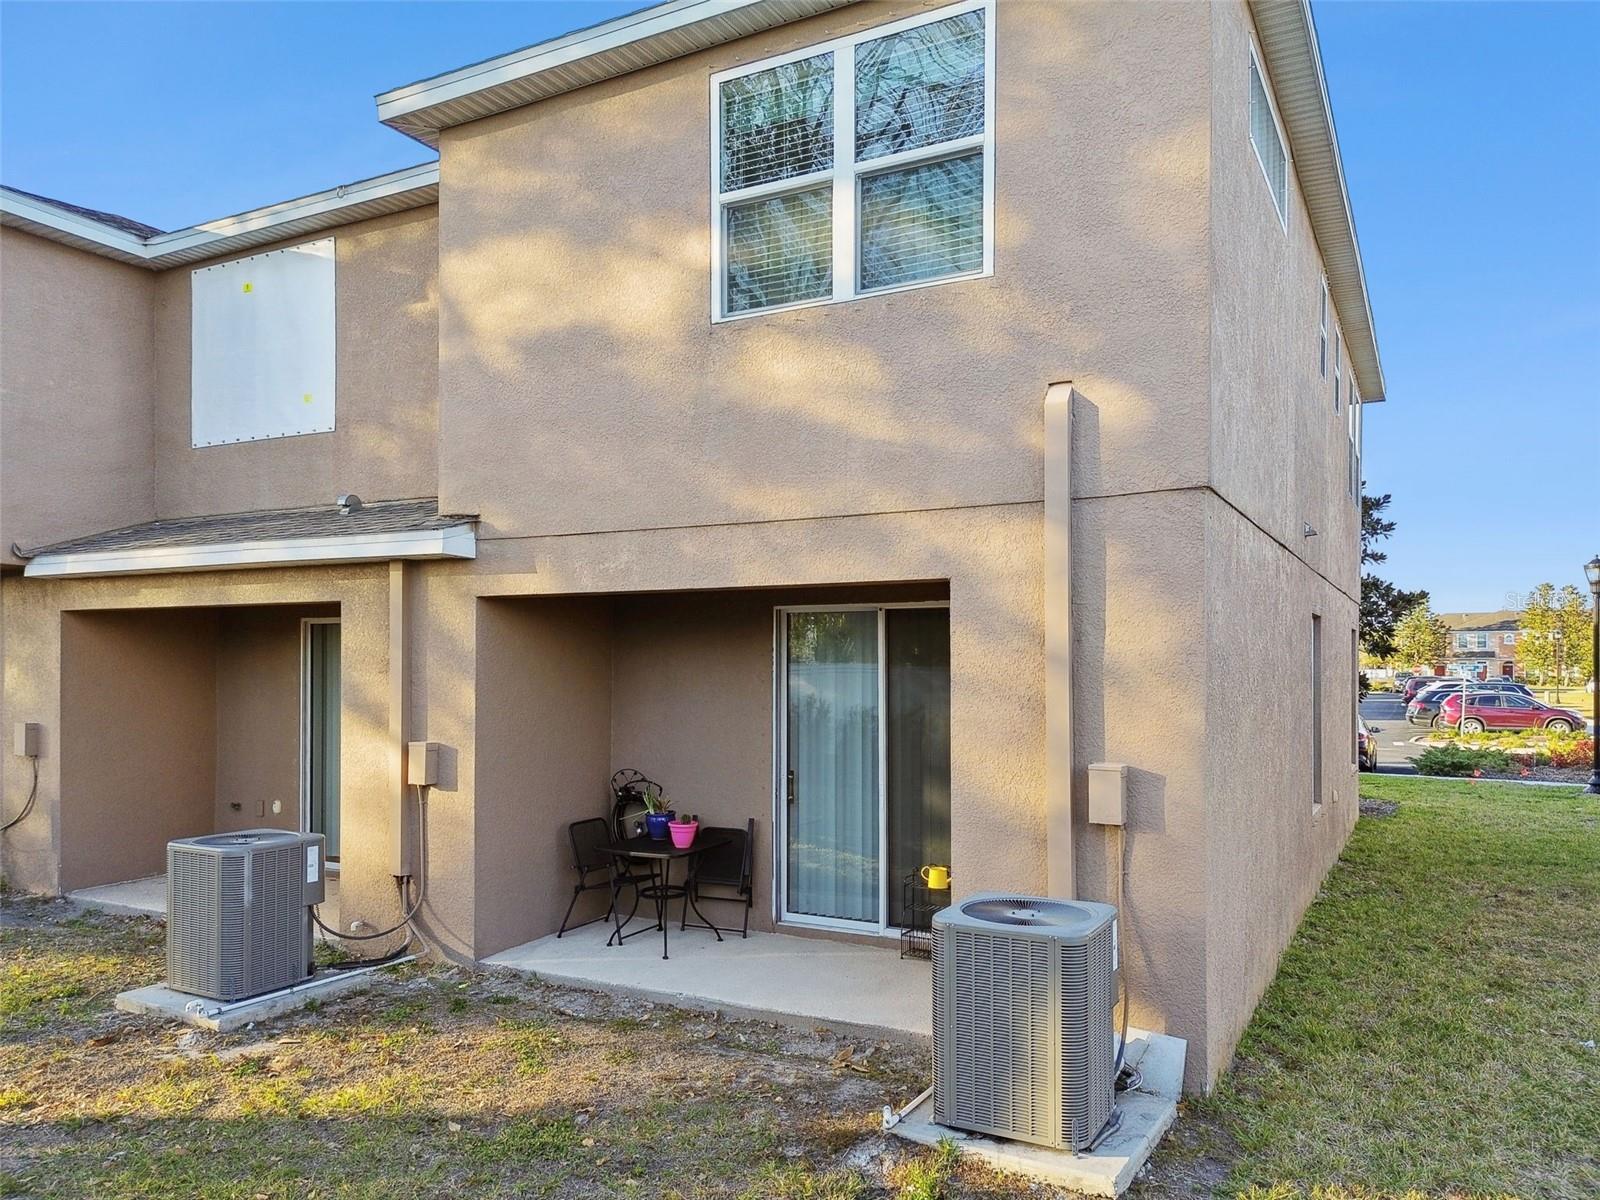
[1266, 135]
[856, 166]
[1322, 331]
[1509, 639]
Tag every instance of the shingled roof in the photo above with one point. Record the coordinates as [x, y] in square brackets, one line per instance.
[324, 533]
[126, 224]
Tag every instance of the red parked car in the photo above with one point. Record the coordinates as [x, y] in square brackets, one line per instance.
[1506, 710]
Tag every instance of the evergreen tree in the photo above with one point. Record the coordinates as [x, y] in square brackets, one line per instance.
[1382, 604]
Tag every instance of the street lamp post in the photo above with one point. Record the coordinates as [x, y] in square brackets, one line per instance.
[1592, 570]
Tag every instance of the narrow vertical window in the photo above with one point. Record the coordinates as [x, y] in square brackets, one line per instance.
[1352, 457]
[1316, 711]
[1268, 142]
[1322, 331]
[856, 166]
[1335, 368]
[1358, 418]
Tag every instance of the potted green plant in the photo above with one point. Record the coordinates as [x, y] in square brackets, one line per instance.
[657, 816]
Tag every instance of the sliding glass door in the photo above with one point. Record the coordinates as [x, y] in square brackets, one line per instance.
[319, 732]
[864, 759]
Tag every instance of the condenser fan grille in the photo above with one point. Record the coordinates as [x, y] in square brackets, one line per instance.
[1022, 994]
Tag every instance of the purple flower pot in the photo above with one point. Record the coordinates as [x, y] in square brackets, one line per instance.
[655, 825]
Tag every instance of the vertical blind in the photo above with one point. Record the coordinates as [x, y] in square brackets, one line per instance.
[833, 753]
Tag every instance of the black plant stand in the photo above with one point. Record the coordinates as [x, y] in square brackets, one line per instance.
[919, 903]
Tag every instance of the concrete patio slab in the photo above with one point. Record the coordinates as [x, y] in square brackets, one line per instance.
[158, 1000]
[133, 898]
[1146, 1113]
[856, 988]
[148, 898]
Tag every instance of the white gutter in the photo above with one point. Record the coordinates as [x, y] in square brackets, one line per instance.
[1288, 38]
[412, 187]
[454, 541]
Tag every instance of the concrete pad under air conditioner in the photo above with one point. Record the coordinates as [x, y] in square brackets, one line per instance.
[1108, 1170]
[158, 1000]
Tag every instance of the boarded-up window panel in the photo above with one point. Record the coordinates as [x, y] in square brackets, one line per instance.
[262, 342]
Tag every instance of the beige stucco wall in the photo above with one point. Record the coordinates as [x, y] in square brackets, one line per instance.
[1279, 461]
[76, 383]
[578, 358]
[386, 387]
[258, 715]
[1278, 447]
[1268, 843]
[543, 729]
[137, 750]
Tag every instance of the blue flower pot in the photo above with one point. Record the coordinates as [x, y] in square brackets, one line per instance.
[655, 825]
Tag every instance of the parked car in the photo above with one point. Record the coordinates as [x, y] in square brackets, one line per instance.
[1366, 747]
[1416, 683]
[1445, 687]
[1424, 710]
[1506, 710]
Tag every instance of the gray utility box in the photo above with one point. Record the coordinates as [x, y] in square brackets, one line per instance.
[1023, 989]
[238, 920]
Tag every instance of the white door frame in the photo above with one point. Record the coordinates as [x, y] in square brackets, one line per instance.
[780, 769]
[305, 722]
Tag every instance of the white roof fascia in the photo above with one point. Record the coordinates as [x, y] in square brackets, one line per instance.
[612, 48]
[453, 541]
[71, 229]
[412, 187]
[1288, 39]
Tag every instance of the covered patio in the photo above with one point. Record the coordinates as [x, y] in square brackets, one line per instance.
[685, 688]
[183, 721]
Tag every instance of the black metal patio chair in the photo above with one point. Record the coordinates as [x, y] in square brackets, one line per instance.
[589, 837]
[730, 865]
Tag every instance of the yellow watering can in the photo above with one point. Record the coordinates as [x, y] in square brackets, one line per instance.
[937, 878]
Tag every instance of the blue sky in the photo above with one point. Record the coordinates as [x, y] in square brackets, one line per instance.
[1469, 140]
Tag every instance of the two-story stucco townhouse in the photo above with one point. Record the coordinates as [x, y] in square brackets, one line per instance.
[857, 416]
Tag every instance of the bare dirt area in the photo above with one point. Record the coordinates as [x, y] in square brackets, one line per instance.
[438, 1082]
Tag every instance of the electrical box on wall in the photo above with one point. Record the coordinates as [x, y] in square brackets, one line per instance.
[1108, 793]
[422, 763]
[26, 743]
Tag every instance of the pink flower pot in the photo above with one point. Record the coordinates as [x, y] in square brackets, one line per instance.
[683, 833]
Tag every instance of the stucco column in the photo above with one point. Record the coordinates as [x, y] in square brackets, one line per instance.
[399, 850]
[1058, 638]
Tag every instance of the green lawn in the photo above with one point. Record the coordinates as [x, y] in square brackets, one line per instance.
[1426, 1033]
[1578, 699]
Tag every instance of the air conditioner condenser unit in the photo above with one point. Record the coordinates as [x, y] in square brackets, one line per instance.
[1023, 991]
[238, 919]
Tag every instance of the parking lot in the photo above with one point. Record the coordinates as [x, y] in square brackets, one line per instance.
[1385, 715]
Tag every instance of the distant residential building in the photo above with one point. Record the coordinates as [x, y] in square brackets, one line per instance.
[1483, 643]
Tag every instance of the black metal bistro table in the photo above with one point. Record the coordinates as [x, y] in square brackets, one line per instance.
[648, 850]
